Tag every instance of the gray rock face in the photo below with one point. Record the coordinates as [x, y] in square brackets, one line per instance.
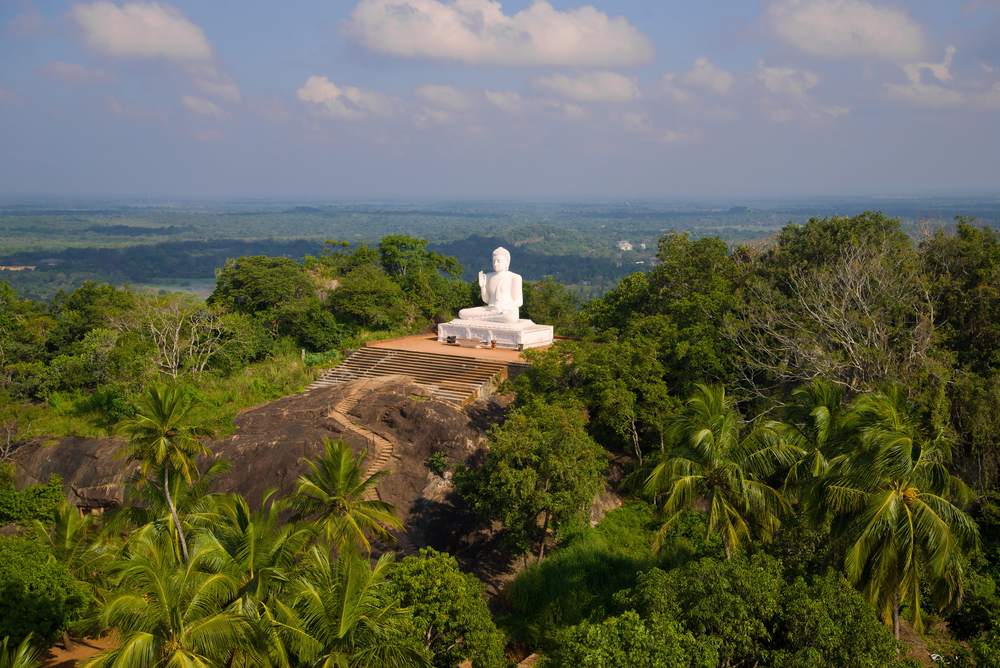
[271, 442]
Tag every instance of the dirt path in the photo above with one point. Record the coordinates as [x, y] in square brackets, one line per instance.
[57, 657]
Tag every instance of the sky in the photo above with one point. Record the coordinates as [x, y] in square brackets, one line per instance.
[474, 99]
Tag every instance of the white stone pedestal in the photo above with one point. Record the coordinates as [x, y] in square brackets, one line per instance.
[516, 335]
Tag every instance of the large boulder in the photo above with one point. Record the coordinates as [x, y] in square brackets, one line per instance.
[272, 441]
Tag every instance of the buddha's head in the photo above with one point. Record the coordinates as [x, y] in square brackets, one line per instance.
[501, 259]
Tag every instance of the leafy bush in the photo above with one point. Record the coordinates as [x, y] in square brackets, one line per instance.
[574, 584]
[450, 616]
[114, 401]
[437, 462]
[631, 642]
[37, 502]
[37, 595]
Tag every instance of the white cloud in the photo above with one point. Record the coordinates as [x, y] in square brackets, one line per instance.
[704, 74]
[446, 97]
[140, 30]
[204, 107]
[848, 29]
[919, 91]
[217, 84]
[30, 23]
[665, 87]
[347, 102]
[436, 115]
[74, 74]
[574, 112]
[590, 87]
[136, 112]
[6, 97]
[786, 81]
[789, 85]
[508, 101]
[478, 32]
[638, 120]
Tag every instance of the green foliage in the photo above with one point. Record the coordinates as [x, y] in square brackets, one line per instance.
[37, 595]
[629, 641]
[733, 603]
[172, 612]
[707, 459]
[575, 583]
[163, 438]
[25, 655]
[324, 359]
[260, 284]
[35, 502]
[980, 609]
[450, 617]
[346, 616]
[541, 462]
[889, 493]
[964, 270]
[369, 298]
[437, 462]
[335, 498]
[829, 624]
[549, 302]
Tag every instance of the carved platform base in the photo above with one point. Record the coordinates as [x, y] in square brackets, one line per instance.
[515, 335]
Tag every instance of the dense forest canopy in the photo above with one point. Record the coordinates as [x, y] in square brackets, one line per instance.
[810, 426]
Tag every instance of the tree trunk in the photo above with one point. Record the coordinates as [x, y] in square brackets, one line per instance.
[729, 555]
[545, 533]
[173, 511]
[895, 614]
[635, 441]
[67, 642]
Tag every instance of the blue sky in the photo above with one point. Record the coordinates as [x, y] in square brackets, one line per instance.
[338, 99]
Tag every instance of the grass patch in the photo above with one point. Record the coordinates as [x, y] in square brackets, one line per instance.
[578, 581]
[218, 398]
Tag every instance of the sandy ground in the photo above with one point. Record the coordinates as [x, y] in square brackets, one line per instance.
[57, 657]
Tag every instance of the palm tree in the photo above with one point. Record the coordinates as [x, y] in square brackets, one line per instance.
[262, 553]
[345, 618]
[707, 460]
[338, 496]
[172, 613]
[162, 435]
[72, 539]
[815, 423]
[147, 507]
[890, 500]
[22, 656]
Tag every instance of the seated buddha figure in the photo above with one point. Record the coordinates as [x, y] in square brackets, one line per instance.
[500, 289]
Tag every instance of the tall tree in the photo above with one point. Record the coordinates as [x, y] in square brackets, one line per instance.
[890, 497]
[707, 459]
[163, 436]
[450, 616]
[337, 497]
[541, 463]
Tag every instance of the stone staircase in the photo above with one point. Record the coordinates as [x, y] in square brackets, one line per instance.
[380, 451]
[457, 380]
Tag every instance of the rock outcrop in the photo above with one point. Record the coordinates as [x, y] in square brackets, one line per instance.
[399, 423]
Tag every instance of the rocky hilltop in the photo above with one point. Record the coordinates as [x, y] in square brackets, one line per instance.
[398, 422]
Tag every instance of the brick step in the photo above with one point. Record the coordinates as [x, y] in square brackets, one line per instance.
[453, 379]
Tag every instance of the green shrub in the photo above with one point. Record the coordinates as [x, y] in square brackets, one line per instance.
[37, 502]
[37, 595]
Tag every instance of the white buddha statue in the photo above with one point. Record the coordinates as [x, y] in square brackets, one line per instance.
[500, 289]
